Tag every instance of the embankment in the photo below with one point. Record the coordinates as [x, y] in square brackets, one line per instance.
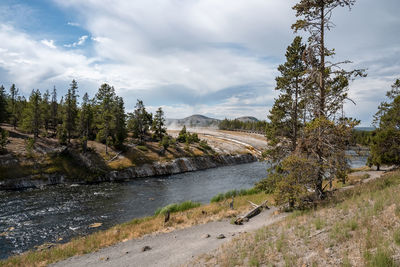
[179, 165]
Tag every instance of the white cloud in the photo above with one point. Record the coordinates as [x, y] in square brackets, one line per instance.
[49, 43]
[200, 56]
[80, 41]
[74, 24]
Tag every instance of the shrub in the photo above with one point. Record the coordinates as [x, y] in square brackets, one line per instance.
[3, 139]
[176, 207]
[29, 145]
[165, 142]
[234, 193]
[142, 148]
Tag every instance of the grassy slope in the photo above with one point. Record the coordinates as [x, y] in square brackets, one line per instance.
[135, 229]
[357, 227]
[41, 161]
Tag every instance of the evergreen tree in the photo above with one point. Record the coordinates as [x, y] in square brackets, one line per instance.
[159, 124]
[3, 105]
[140, 121]
[71, 110]
[46, 111]
[285, 116]
[385, 145]
[32, 121]
[85, 120]
[327, 133]
[120, 122]
[105, 117]
[54, 110]
[13, 106]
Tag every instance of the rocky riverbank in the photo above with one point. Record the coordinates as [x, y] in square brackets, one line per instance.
[179, 165]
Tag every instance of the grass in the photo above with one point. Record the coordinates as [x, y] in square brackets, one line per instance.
[176, 207]
[234, 193]
[355, 227]
[134, 229]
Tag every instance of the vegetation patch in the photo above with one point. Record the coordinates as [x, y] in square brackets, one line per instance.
[234, 193]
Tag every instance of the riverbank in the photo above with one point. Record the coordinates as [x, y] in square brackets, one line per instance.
[132, 230]
[180, 165]
[46, 162]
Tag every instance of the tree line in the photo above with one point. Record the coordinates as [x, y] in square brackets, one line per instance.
[101, 118]
[232, 125]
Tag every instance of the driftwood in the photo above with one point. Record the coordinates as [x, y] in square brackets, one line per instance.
[255, 211]
[115, 157]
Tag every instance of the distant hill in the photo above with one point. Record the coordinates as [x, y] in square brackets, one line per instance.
[193, 121]
[247, 119]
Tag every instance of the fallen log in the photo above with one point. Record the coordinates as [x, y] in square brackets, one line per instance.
[255, 211]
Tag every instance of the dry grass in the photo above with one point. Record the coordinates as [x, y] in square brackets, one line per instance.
[356, 227]
[134, 229]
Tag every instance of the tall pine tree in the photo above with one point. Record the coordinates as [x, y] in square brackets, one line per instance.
[32, 121]
[71, 110]
[104, 116]
[158, 126]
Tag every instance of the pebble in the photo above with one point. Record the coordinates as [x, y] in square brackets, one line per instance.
[206, 236]
[146, 248]
[221, 236]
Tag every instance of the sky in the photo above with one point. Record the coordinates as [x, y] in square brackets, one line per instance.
[218, 58]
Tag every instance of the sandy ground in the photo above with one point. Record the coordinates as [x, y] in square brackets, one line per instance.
[230, 141]
[174, 248]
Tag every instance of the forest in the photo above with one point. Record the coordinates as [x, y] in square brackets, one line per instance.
[101, 118]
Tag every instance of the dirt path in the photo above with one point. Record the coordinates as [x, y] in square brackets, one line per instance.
[174, 248]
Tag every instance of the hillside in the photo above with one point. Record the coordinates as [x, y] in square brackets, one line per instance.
[247, 119]
[355, 227]
[192, 122]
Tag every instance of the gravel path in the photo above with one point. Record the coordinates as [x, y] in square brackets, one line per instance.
[174, 248]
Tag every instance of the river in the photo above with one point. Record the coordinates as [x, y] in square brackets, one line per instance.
[57, 213]
[32, 217]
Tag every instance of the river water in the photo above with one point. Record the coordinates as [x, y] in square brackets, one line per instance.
[56, 214]
[32, 217]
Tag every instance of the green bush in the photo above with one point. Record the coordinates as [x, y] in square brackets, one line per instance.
[165, 142]
[176, 207]
[142, 148]
[234, 193]
[3, 139]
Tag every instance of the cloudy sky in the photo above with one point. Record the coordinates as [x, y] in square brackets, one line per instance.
[212, 57]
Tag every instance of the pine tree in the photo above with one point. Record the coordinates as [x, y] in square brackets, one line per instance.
[13, 106]
[46, 111]
[54, 110]
[85, 120]
[71, 110]
[285, 116]
[32, 121]
[159, 124]
[105, 117]
[120, 122]
[140, 121]
[385, 143]
[3, 105]
[327, 133]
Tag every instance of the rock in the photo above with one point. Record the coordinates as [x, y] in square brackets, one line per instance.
[220, 236]
[206, 236]
[146, 248]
